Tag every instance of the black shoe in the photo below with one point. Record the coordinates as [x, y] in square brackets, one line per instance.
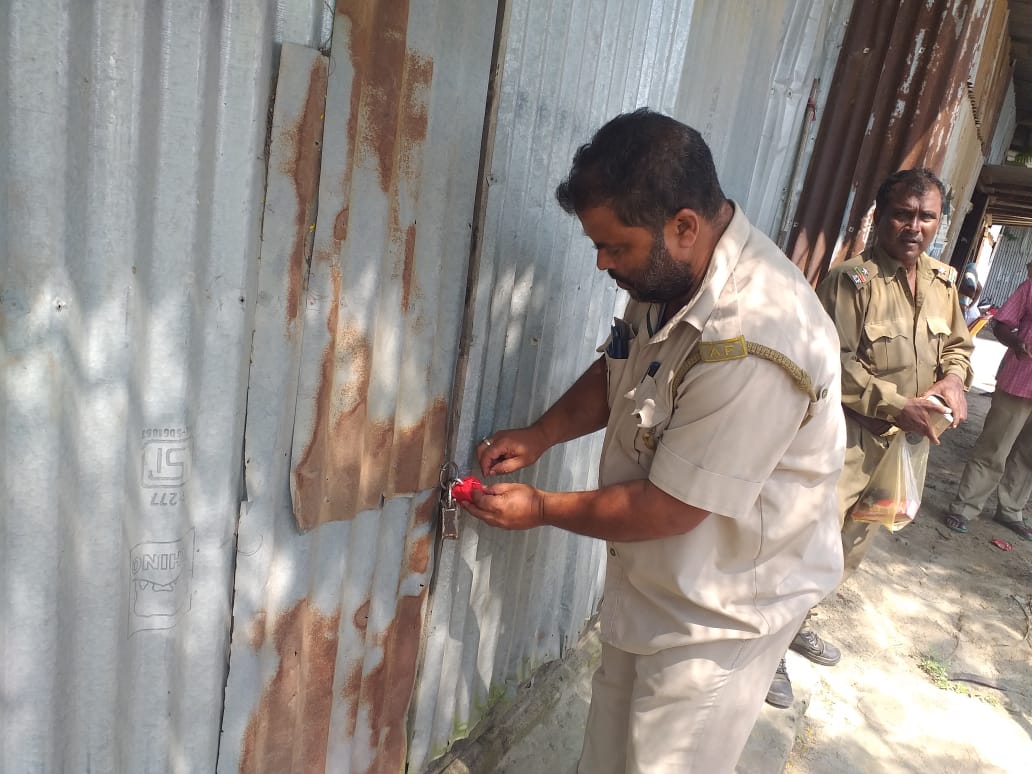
[809, 644]
[780, 692]
[1018, 526]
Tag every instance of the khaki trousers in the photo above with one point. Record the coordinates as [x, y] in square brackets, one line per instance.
[681, 710]
[1002, 457]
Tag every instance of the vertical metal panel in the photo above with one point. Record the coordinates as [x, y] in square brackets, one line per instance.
[993, 70]
[327, 623]
[385, 302]
[961, 165]
[1005, 127]
[753, 124]
[131, 175]
[903, 70]
[1007, 268]
[504, 603]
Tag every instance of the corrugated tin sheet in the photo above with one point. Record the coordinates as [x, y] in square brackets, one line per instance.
[903, 70]
[790, 50]
[1007, 268]
[1005, 127]
[354, 352]
[131, 177]
[384, 307]
[504, 603]
[992, 74]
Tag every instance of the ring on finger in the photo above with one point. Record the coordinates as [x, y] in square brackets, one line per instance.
[486, 440]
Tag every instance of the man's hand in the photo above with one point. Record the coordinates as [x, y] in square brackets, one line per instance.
[509, 506]
[914, 417]
[511, 450]
[951, 388]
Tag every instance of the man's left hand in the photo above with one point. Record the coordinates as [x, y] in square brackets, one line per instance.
[951, 388]
[509, 506]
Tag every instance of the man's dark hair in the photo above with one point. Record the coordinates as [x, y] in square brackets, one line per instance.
[919, 181]
[645, 166]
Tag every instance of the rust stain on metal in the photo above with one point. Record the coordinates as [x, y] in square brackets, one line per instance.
[418, 452]
[313, 471]
[258, 631]
[289, 729]
[412, 136]
[303, 168]
[406, 273]
[378, 46]
[902, 70]
[415, 118]
[352, 683]
[386, 690]
[351, 461]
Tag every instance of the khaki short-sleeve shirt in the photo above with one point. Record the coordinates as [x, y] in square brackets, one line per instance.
[730, 439]
[895, 345]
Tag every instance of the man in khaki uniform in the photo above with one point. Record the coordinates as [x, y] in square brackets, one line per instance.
[903, 338]
[719, 393]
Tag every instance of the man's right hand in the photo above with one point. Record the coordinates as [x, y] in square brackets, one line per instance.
[914, 417]
[511, 450]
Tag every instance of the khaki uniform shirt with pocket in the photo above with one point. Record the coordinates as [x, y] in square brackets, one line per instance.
[736, 437]
[895, 345]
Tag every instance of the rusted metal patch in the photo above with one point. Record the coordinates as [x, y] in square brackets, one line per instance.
[351, 459]
[418, 451]
[385, 691]
[303, 169]
[289, 730]
[901, 75]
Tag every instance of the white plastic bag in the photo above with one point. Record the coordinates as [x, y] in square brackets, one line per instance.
[893, 494]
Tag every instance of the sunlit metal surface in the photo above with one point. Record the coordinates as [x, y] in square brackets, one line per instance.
[761, 128]
[356, 340]
[131, 176]
[1007, 269]
[504, 603]
[901, 85]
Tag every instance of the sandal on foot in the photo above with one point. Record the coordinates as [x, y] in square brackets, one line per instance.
[955, 523]
[1017, 526]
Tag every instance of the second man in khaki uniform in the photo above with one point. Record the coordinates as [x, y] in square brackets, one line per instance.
[903, 338]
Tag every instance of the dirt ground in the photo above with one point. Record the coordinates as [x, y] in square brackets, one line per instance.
[931, 619]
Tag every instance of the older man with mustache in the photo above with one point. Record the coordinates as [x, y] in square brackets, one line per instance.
[903, 340]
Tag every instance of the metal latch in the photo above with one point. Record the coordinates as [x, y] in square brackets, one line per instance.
[449, 508]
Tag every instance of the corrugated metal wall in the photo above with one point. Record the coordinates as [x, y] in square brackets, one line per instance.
[132, 279]
[504, 603]
[1004, 131]
[355, 348]
[761, 128]
[131, 176]
[901, 82]
[1007, 268]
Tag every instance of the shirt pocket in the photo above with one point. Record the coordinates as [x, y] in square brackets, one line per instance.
[938, 334]
[651, 412]
[891, 347]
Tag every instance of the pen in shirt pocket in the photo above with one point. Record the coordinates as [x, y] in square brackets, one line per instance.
[653, 367]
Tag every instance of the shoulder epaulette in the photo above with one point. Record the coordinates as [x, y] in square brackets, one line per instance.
[859, 275]
[947, 274]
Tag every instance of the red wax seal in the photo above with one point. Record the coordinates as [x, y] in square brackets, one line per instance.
[464, 489]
